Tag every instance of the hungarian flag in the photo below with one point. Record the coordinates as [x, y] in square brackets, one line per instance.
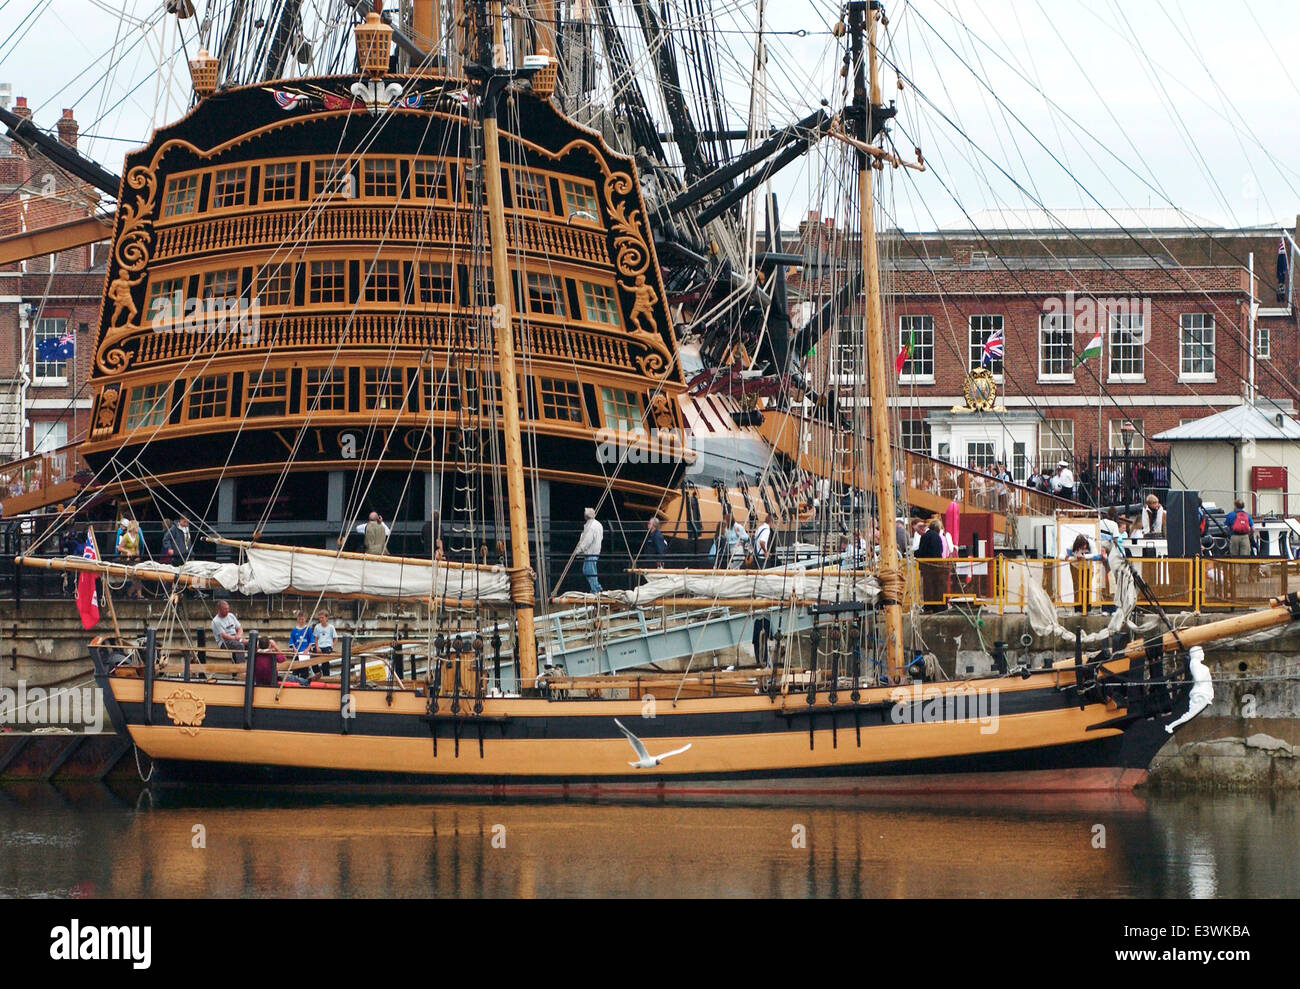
[87, 599]
[1092, 350]
[904, 355]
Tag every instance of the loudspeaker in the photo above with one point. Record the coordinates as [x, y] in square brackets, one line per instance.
[1180, 523]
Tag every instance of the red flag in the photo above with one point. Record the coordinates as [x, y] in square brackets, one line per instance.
[903, 355]
[87, 599]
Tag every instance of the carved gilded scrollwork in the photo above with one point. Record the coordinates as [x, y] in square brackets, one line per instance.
[131, 253]
[187, 710]
[107, 411]
[632, 253]
[661, 411]
[644, 298]
[651, 364]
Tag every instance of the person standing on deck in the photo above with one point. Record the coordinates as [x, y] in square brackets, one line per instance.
[762, 545]
[934, 575]
[658, 544]
[376, 533]
[593, 534]
[323, 635]
[301, 637]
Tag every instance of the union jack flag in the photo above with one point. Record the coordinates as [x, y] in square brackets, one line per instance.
[288, 101]
[992, 349]
[412, 102]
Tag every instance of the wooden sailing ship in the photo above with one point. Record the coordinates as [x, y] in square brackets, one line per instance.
[374, 312]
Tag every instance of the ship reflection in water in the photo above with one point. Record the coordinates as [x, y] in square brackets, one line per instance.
[93, 841]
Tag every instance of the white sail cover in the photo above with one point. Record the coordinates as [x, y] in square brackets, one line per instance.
[827, 587]
[277, 571]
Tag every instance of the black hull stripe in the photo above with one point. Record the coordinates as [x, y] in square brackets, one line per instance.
[666, 724]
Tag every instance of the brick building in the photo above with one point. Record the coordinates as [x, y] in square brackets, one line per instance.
[44, 404]
[1172, 303]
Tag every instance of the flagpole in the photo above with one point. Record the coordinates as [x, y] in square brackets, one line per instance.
[108, 594]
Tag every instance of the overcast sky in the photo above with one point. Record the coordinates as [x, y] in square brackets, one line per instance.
[1071, 103]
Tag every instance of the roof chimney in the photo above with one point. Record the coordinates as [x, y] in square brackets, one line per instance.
[67, 128]
[21, 109]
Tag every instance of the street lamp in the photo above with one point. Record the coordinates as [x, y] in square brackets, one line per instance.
[1128, 429]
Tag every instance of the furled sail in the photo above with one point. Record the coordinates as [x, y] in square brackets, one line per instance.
[821, 586]
[286, 570]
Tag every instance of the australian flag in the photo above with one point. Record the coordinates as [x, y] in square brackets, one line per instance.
[992, 349]
[55, 348]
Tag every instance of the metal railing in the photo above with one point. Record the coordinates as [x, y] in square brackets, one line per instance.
[998, 584]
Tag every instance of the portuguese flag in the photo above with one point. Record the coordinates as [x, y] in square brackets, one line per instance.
[904, 354]
[1092, 350]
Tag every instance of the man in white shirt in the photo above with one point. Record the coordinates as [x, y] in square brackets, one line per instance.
[1066, 478]
[376, 544]
[324, 633]
[593, 534]
[226, 630]
[762, 539]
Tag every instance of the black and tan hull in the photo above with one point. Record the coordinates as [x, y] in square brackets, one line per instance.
[1040, 740]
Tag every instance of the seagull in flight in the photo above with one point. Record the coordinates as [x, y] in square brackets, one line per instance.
[644, 759]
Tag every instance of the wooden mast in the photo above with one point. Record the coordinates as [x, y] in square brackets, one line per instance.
[492, 86]
[890, 572]
[425, 24]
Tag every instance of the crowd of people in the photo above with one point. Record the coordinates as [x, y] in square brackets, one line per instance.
[306, 642]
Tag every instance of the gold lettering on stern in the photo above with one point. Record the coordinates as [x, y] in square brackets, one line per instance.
[281, 434]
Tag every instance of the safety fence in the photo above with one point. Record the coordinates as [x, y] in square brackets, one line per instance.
[1001, 584]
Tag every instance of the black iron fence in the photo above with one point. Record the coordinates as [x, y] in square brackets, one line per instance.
[1122, 479]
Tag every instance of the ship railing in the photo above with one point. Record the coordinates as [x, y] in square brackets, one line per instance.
[339, 223]
[40, 480]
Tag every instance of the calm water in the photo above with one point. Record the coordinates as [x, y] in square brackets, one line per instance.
[91, 841]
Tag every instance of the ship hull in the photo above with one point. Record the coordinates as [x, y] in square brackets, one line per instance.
[1036, 737]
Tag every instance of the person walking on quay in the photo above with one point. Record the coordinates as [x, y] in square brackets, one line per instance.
[593, 534]
[1241, 531]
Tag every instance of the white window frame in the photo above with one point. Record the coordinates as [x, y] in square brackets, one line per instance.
[1263, 343]
[1136, 322]
[918, 430]
[1051, 453]
[974, 361]
[1068, 320]
[906, 329]
[1185, 345]
[1115, 437]
[49, 380]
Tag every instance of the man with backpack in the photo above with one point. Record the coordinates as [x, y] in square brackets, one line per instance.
[1241, 530]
